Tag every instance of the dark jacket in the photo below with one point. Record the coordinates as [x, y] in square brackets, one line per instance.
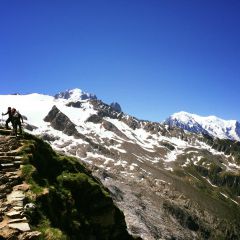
[9, 112]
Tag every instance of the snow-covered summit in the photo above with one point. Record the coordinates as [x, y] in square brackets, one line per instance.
[74, 95]
[212, 125]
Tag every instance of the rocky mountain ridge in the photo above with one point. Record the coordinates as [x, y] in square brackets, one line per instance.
[211, 125]
[170, 183]
[74, 95]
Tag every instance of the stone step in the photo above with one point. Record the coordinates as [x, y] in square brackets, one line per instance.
[17, 220]
[12, 153]
[17, 203]
[15, 195]
[14, 177]
[6, 165]
[18, 208]
[3, 161]
[2, 158]
[8, 172]
[14, 214]
[8, 169]
[17, 163]
[23, 227]
[12, 183]
[6, 161]
[10, 159]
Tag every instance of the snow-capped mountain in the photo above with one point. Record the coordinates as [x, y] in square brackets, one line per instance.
[211, 125]
[170, 183]
[75, 95]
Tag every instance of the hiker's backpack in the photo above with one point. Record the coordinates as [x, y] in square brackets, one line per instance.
[16, 116]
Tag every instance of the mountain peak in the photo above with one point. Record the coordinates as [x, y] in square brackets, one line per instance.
[74, 95]
[211, 125]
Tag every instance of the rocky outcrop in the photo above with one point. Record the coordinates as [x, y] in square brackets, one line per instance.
[132, 122]
[238, 128]
[154, 127]
[61, 122]
[105, 110]
[30, 127]
[116, 106]
[49, 137]
[74, 104]
[111, 127]
[94, 119]
[75, 94]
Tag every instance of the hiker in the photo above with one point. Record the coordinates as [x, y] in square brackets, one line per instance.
[9, 112]
[16, 120]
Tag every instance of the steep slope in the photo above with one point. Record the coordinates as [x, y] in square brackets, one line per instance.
[170, 183]
[13, 221]
[66, 202]
[211, 125]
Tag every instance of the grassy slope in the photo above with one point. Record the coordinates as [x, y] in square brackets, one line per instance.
[71, 204]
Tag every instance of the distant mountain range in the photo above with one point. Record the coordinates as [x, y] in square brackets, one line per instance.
[211, 125]
[173, 180]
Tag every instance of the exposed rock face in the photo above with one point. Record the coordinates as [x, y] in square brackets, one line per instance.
[132, 122]
[64, 95]
[105, 110]
[94, 118]
[30, 127]
[75, 95]
[154, 127]
[74, 104]
[49, 137]
[116, 106]
[60, 122]
[111, 127]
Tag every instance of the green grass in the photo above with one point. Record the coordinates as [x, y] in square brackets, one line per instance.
[50, 233]
[70, 203]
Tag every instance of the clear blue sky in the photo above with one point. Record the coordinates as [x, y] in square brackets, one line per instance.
[155, 57]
